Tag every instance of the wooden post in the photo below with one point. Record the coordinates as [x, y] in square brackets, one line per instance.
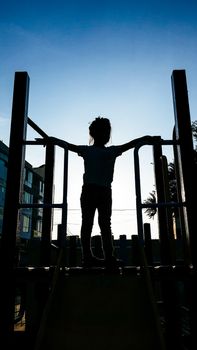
[148, 244]
[169, 218]
[187, 167]
[162, 217]
[186, 161]
[123, 248]
[48, 199]
[13, 191]
[73, 251]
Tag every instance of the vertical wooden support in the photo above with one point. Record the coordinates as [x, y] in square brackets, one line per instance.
[136, 246]
[13, 191]
[187, 167]
[148, 244]
[48, 199]
[169, 218]
[65, 204]
[73, 251]
[179, 218]
[162, 217]
[138, 194]
[168, 289]
[123, 248]
[185, 152]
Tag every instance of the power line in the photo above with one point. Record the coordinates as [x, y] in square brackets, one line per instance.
[122, 209]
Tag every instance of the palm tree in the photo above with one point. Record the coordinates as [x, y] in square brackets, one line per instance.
[151, 211]
[194, 132]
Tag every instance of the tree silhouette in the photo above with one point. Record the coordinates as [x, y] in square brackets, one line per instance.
[151, 211]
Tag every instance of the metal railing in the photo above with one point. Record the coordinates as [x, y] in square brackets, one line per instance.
[139, 204]
[49, 168]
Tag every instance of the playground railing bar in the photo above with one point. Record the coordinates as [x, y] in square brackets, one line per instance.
[36, 127]
[164, 204]
[38, 205]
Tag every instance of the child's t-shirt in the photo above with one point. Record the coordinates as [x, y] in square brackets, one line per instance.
[99, 164]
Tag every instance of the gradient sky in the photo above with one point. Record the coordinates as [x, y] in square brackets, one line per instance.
[90, 58]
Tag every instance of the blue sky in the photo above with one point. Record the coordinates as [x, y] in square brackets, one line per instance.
[90, 58]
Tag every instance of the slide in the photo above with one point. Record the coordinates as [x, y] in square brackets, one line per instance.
[100, 310]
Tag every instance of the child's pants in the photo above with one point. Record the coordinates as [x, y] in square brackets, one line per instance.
[96, 197]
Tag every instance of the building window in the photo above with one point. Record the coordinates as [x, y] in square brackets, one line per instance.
[1, 219]
[41, 187]
[27, 197]
[28, 178]
[38, 232]
[40, 210]
[3, 169]
[26, 223]
[2, 195]
[39, 225]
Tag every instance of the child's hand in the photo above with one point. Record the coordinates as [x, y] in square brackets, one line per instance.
[151, 139]
[46, 140]
[156, 139]
[53, 141]
[148, 139]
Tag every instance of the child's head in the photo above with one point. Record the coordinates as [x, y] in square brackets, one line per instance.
[100, 130]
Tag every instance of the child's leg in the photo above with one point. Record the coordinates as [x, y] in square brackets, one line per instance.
[104, 220]
[88, 211]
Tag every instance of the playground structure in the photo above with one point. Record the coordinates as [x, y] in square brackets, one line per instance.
[49, 280]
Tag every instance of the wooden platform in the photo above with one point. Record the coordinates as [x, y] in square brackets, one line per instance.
[97, 309]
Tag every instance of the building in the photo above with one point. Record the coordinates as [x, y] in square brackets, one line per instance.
[3, 176]
[30, 220]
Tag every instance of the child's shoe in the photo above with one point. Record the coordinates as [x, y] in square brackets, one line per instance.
[113, 263]
[92, 261]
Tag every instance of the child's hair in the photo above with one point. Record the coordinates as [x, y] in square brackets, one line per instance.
[100, 130]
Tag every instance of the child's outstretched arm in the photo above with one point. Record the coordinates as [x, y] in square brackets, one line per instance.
[62, 143]
[133, 143]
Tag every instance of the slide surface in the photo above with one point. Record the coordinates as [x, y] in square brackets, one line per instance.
[98, 310]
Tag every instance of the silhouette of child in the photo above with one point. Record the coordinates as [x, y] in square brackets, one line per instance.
[96, 193]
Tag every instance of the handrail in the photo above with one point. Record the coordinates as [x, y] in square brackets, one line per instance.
[164, 204]
[139, 204]
[36, 127]
[40, 205]
[65, 204]
[62, 205]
